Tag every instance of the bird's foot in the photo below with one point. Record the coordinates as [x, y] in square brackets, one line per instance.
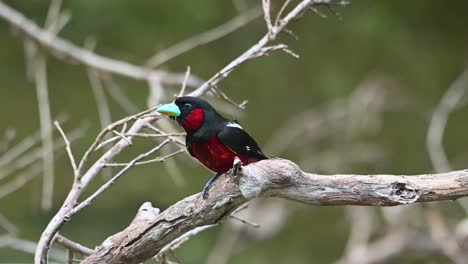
[205, 192]
[207, 187]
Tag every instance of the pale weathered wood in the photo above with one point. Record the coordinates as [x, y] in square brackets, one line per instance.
[144, 238]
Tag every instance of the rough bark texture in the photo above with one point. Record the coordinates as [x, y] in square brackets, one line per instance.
[145, 236]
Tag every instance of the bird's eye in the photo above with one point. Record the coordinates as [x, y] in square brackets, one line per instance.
[187, 105]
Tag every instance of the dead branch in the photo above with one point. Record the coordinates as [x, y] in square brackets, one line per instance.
[68, 51]
[435, 134]
[257, 49]
[203, 38]
[40, 78]
[280, 178]
[72, 245]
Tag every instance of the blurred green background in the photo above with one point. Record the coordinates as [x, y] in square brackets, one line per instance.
[422, 46]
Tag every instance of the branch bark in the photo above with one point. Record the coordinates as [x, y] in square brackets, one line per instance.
[142, 239]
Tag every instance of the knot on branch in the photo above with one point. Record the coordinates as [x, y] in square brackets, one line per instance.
[258, 178]
[146, 214]
[404, 193]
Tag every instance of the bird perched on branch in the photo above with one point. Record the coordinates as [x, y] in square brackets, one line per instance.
[214, 140]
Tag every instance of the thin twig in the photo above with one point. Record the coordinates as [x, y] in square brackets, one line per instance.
[122, 136]
[103, 133]
[20, 148]
[266, 14]
[46, 130]
[20, 180]
[172, 136]
[204, 38]
[142, 135]
[158, 159]
[68, 148]
[283, 7]
[36, 154]
[244, 221]
[8, 225]
[105, 186]
[450, 101]
[116, 92]
[34, 170]
[184, 84]
[223, 95]
[27, 246]
[101, 102]
[84, 180]
[183, 238]
[24, 145]
[69, 52]
[256, 50]
[8, 136]
[56, 19]
[72, 245]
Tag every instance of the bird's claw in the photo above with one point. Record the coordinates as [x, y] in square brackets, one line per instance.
[208, 185]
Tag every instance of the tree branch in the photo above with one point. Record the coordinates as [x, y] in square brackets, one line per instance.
[274, 177]
[66, 50]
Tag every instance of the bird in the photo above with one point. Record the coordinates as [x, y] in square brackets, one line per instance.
[211, 138]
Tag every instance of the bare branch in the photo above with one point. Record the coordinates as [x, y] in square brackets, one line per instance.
[23, 146]
[158, 159]
[204, 38]
[135, 128]
[443, 237]
[56, 19]
[101, 189]
[450, 101]
[184, 84]
[45, 118]
[36, 154]
[101, 102]
[116, 92]
[256, 49]
[83, 181]
[24, 177]
[72, 245]
[172, 136]
[142, 135]
[20, 148]
[183, 238]
[20, 180]
[122, 136]
[8, 226]
[65, 50]
[283, 8]
[68, 148]
[266, 14]
[250, 223]
[27, 246]
[281, 178]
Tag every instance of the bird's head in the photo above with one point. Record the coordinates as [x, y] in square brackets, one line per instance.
[190, 112]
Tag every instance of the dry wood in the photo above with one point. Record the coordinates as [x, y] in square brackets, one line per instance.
[143, 239]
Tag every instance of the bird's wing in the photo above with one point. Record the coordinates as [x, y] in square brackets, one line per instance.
[189, 148]
[235, 138]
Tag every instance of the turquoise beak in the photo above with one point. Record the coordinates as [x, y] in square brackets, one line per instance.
[169, 110]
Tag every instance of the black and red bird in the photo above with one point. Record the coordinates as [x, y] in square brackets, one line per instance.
[214, 140]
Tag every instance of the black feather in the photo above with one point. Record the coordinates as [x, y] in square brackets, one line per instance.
[240, 142]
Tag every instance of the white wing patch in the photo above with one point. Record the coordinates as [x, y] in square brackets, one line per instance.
[233, 124]
[247, 148]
